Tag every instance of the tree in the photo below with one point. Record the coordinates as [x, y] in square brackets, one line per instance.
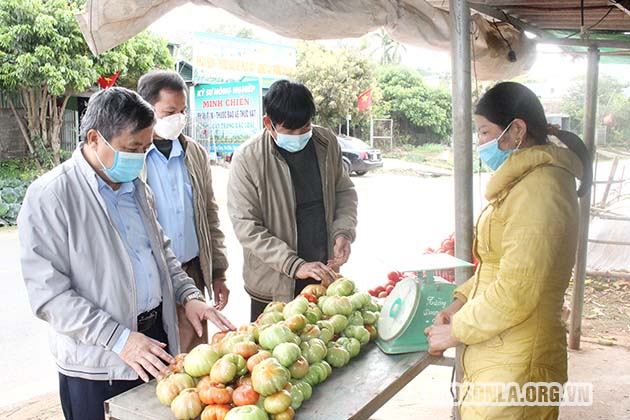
[611, 101]
[415, 108]
[389, 50]
[336, 79]
[44, 60]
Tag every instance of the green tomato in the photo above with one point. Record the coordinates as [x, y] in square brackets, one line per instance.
[274, 335]
[311, 378]
[298, 306]
[327, 366]
[313, 314]
[369, 317]
[341, 287]
[326, 335]
[296, 397]
[337, 356]
[287, 353]
[313, 350]
[274, 307]
[339, 323]
[360, 333]
[373, 306]
[337, 305]
[306, 388]
[353, 346]
[310, 331]
[200, 360]
[238, 361]
[247, 412]
[355, 318]
[322, 372]
[321, 301]
[270, 318]
[360, 300]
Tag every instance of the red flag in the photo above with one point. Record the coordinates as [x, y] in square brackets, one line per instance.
[365, 100]
[108, 81]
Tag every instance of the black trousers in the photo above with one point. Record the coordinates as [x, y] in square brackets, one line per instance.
[82, 399]
[258, 306]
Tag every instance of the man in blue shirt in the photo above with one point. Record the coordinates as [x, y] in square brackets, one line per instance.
[97, 265]
[178, 171]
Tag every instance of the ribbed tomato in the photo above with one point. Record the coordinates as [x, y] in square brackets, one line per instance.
[245, 395]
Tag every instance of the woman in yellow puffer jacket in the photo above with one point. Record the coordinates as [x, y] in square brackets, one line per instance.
[508, 314]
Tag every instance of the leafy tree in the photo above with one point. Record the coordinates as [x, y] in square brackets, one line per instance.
[420, 113]
[611, 101]
[389, 50]
[336, 79]
[44, 60]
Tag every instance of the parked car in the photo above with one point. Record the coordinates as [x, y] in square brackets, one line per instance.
[358, 156]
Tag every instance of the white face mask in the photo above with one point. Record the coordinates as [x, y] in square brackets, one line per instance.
[170, 127]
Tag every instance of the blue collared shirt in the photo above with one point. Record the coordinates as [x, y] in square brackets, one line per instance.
[125, 214]
[170, 183]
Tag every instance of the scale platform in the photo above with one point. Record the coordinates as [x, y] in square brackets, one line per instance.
[414, 302]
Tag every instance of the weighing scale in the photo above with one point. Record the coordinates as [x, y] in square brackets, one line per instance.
[413, 303]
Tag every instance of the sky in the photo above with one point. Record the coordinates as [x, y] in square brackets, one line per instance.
[553, 69]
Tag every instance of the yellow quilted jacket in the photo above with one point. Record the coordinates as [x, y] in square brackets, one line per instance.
[525, 241]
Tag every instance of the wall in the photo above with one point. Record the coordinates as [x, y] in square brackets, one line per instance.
[11, 141]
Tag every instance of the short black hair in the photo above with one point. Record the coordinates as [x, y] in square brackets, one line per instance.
[152, 83]
[289, 103]
[115, 110]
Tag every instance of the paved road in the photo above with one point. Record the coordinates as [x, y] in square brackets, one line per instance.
[396, 214]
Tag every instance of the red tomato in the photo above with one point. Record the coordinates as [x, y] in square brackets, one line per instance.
[372, 292]
[245, 395]
[391, 283]
[382, 294]
[389, 289]
[309, 297]
[394, 275]
[379, 289]
[447, 244]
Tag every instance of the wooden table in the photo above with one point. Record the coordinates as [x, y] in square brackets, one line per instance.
[354, 392]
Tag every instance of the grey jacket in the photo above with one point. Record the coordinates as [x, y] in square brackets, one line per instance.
[261, 204]
[78, 275]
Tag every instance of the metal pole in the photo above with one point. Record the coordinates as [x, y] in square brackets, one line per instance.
[462, 146]
[371, 131]
[590, 118]
[462, 133]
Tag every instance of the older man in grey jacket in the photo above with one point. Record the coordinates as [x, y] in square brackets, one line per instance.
[97, 265]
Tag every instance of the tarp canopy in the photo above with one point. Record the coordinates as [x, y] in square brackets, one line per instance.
[108, 23]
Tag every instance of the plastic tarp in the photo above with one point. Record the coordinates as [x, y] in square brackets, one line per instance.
[108, 23]
[610, 258]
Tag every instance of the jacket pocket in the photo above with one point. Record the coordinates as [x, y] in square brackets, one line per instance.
[494, 342]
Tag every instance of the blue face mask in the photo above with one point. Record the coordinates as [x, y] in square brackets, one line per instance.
[292, 142]
[127, 166]
[491, 154]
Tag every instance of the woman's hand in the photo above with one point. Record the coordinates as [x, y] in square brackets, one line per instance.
[444, 316]
[440, 338]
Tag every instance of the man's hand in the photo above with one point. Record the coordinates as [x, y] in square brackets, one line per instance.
[198, 311]
[220, 292]
[318, 271]
[146, 355]
[341, 251]
[440, 338]
[444, 316]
